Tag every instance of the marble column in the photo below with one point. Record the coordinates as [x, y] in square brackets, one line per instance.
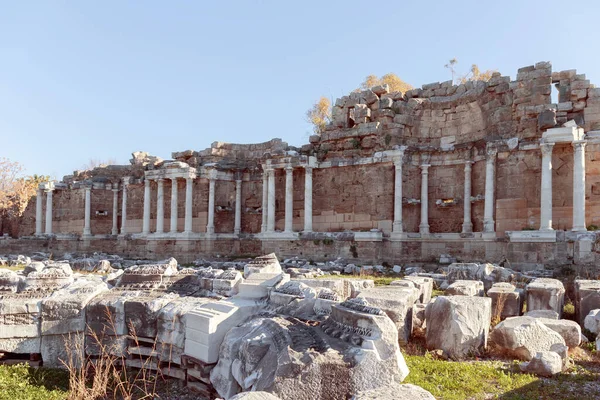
[38, 212]
[289, 199]
[490, 183]
[271, 201]
[174, 202]
[308, 199]
[210, 226]
[424, 226]
[579, 186]
[115, 212]
[467, 223]
[397, 225]
[87, 230]
[189, 190]
[124, 207]
[49, 211]
[238, 207]
[146, 219]
[265, 201]
[160, 206]
[546, 188]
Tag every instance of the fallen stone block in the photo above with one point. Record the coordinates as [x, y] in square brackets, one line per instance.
[395, 392]
[465, 288]
[592, 321]
[549, 314]
[546, 294]
[425, 286]
[507, 300]
[544, 363]
[587, 298]
[458, 325]
[523, 337]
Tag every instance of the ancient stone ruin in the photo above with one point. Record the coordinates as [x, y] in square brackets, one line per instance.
[482, 171]
[494, 180]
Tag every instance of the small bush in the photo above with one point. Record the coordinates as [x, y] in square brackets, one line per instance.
[327, 241]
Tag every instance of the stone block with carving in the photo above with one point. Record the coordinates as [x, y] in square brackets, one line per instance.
[458, 325]
[425, 286]
[357, 346]
[397, 302]
[263, 264]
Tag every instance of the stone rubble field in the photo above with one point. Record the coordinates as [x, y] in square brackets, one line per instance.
[232, 329]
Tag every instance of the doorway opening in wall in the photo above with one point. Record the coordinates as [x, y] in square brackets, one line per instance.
[554, 93]
[350, 117]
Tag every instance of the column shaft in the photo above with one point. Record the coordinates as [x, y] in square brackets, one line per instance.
[146, 220]
[265, 201]
[124, 208]
[160, 206]
[271, 203]
[49, 212]
[424, 226]
[238, 207]
[289, 199]
[579, 187]
[397, 225]
[86, 222]
[210, 226]
[115, 212]
[308, 200]
[467, 223]
[490, 183]
[38, 212]
[174, 201]
[189, 190]
[546, 188]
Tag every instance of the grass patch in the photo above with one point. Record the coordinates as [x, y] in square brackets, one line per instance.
[486, 379]
[18, 267]
[22, 382]
[379, 280]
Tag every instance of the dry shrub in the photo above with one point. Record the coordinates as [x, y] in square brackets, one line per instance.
[498, 309]
[107, 375]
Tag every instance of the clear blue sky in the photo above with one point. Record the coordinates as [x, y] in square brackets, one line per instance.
[83, 80]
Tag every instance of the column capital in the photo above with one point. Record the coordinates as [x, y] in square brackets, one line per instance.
[289, 168]
[160, 180]
[546, 148]
[212, 174]
[46, 186]
[490, 152]
[424, 168]
[398, 160]
[579, 145]
[468, 165]
[126, 180]
[115, 190]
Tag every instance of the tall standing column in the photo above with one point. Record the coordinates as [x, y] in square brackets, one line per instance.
[49, 211]
[546, 188]
[424, 226]
[490, 183]
[238, 207]
[174, 201]
[265, 201]
[124, 207]
[189, 190]
[115, 211]
[210, 226]
[467, 223]
[38, 212]
[289, 199]
[271, 202]
[160, 206]
[86, 222]
[397, 225]
[308, 199]
[579, 186]
[146, 220]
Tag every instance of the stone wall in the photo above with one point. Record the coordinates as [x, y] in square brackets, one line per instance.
[439, 124]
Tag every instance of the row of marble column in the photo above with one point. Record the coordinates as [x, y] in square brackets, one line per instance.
[268, 202]
[467, 226]
[578, 187]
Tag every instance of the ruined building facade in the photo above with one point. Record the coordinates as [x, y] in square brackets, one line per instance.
[480, 171]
